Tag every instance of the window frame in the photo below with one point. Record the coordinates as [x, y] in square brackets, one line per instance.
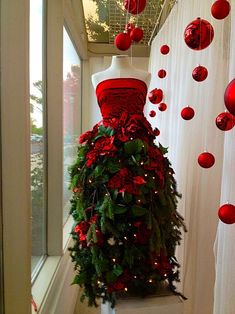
[15, 155]
[57, 271]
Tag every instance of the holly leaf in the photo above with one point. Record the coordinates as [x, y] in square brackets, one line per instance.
[117, 270]
[138, 210]
[113, 167]
[105, 131]
[98, 171]
[127, 197]
[164, 150]
[133, 147]
[74, 181]
[120, 209]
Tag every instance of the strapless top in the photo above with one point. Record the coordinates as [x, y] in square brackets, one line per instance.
[118, 95]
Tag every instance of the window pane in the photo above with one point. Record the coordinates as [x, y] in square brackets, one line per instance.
[72, 110]
[37, 134]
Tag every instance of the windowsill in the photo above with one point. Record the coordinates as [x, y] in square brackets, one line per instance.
[42, 284]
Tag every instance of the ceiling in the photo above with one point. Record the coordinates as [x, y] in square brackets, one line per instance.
[106, 18]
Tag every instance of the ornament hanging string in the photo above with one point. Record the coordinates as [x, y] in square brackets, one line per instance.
[232, 136]
[137, 17]
[127, 21]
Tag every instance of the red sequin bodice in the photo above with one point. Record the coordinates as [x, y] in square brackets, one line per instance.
[119, 95]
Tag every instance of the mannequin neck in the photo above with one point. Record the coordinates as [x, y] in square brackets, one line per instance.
[121, 61]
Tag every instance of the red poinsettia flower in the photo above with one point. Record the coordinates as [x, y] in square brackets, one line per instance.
[83, 138]
[103, 146]
[142, 234]
[139, 180]
[93, 219]
[161, 262]
[81, 229]
[123, 181]
[87, 136]
[100, 237]
[120, 283]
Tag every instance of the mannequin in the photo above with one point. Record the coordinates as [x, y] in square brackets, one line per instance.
[120, 68]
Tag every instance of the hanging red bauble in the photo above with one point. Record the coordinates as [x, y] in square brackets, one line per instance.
[229, 97]
[164, 49]
[152, 113]
[220, 9]
[198, 34]
[162, 106]
[122, 41]
[200, 73]
[155, 96]
[129, 27]
[225, 121]
[134, 6]
[137, 34]
[187, 113]
[162, 73]
[156, 132]
[226, 213]
[206, 160]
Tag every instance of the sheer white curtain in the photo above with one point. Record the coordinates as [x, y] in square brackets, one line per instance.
[224, 302]
[187, 139]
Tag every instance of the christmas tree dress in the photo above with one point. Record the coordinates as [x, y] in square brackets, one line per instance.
[124, 201]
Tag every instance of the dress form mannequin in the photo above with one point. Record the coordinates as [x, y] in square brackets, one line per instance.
[120, 68]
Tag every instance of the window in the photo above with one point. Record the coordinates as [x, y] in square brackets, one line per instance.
[71, 111]
[38, 162]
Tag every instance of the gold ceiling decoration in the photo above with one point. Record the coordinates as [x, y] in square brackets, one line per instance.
[106, 18]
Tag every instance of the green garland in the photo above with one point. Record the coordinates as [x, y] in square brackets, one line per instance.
[109, 256]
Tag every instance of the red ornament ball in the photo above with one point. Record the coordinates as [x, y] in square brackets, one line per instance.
[129, 27]
[225, 121]
[187, 113]
[156, 132]
[226, 213]
[122, 41]
[164, 49]
[206, 160]
[137, 34]
[155, 96]
[162, 73]
[229, 97]
[220, 9]
[198, 34]
[162, 106]
[135, 6]
[200, 73]
[152, 113]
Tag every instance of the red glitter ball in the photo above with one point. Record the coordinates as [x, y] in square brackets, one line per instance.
[152, 113]
[137, 34]
[164, 49]
[198, 34]
[162, 106]
[162, 73]
[225, 121]
[206, 160]
[220, 9]
[155, 96]
[226, 213]
[122, 41]
[229, 97]
[200, 73]
[187, 113]
[135, 6]
[156, 132]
